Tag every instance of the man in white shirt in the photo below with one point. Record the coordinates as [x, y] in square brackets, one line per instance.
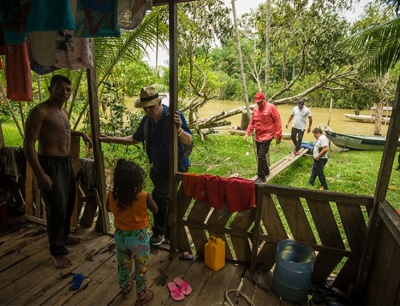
[320, 154]
[300, 113]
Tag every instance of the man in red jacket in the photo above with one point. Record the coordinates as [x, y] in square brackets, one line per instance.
[266, 120]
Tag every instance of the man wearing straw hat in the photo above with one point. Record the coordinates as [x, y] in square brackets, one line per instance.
[154, 133]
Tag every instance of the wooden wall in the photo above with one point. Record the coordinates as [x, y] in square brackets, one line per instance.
[383, 286]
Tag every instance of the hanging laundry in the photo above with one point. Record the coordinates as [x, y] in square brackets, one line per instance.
[97, 18]
[237, 193]
[189, 181]
[48, 15]
[240, 194]
[2, 41]
[132, 12]
[18, 73]
[20, 17]
[72, 52]
[42, 47]
[14, 16]
[210, 189]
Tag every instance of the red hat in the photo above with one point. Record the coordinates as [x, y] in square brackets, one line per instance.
[259, 96]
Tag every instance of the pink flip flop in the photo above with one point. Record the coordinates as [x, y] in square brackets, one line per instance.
[184, 286]
[176, 292]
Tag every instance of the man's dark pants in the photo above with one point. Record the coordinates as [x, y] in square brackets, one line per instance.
[160, 195]
[297, 138]
[262, 150]
[318, 171]
[59, 200]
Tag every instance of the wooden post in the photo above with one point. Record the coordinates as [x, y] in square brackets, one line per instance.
[382, 184]
[75, 150]
[28, 190]
[256, 229]
[173, 106]
[103, 222]
[330, 112]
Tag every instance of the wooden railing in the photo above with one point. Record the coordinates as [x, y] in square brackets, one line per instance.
[34, 206]
[86, 200]
[334, 224]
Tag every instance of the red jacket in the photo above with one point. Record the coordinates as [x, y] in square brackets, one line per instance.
[267, 123]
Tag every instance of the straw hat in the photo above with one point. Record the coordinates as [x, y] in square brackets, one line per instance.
[148, 97]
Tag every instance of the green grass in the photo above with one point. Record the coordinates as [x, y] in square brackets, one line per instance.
[12, 138]
[351, 172]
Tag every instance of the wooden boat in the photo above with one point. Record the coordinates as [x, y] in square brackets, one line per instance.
[366, 118]
[359, 142]
[385, 108]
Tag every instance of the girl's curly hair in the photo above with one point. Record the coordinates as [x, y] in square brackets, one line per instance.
[128, 183]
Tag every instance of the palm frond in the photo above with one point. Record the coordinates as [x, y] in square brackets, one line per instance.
[109, 51]
[379, 45]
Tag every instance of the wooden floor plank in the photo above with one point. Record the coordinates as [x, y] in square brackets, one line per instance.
[217, 283]
[175, 269]
[45, 285]
[196, 275]
[30, 277]
[19, 239]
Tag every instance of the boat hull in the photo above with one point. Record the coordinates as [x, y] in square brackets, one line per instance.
[359, 142]
[366, 118]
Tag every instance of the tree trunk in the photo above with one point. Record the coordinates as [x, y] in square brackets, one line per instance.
[1, 137]
[239, 49]
[267, 47]
[378, 107]
[244, 122]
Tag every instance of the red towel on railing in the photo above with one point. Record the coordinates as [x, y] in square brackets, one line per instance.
[240, 194]
[189, 183]
[210, 189]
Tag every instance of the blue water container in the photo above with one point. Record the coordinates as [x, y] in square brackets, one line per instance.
[292, 273]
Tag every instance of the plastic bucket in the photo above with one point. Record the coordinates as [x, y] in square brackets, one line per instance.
[292, 273]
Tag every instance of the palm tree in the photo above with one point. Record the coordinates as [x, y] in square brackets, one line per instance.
[380, 44]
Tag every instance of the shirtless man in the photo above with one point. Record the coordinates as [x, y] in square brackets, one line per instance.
[48, 124]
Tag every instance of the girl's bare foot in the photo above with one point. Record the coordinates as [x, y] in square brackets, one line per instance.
[125, 295]
[147, 297]
[61, 262]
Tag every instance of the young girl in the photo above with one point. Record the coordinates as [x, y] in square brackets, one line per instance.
[129, 205]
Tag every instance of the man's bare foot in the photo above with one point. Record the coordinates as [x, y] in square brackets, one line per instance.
[61, 262]
[73, 240]
[147, 297]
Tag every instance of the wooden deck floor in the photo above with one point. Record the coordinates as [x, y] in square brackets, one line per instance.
[28, 276]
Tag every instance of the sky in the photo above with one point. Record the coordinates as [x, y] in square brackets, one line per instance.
[242, 7]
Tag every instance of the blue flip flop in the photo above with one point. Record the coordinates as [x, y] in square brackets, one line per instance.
[77, 281]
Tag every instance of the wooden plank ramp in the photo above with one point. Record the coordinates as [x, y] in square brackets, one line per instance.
[28, 276]
[282, 164]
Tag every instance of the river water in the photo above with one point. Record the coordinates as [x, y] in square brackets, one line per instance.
[337, 121]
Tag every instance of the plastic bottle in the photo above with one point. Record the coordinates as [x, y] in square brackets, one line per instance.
[214, 253]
